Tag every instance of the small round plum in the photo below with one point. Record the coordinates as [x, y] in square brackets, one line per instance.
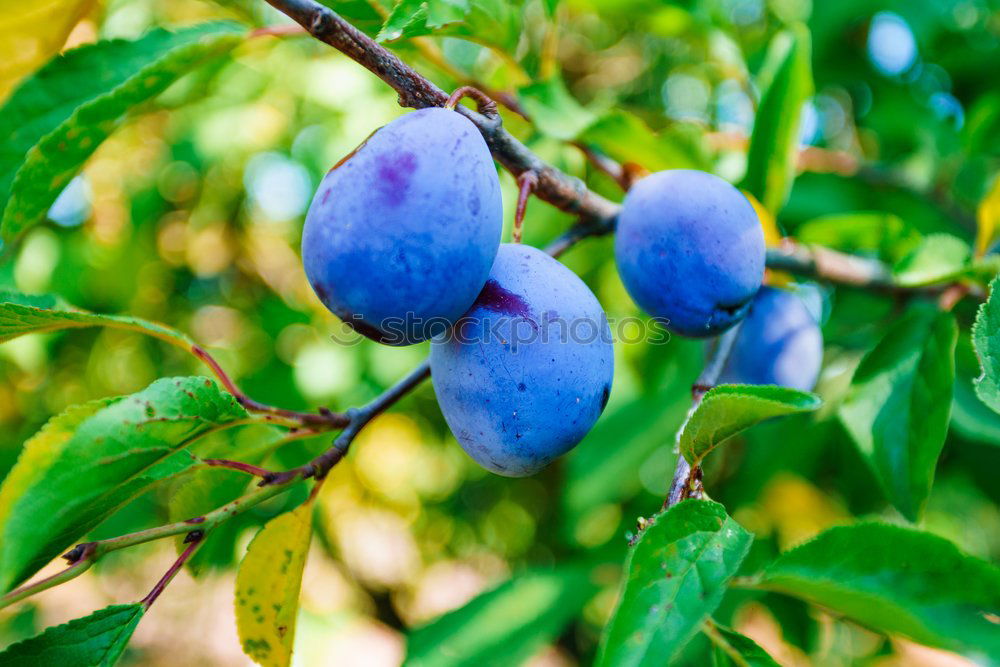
[401, 234]
[778, 343]
[690, 250]
[527, 371]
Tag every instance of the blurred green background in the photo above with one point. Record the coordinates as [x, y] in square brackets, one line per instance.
[191, 215]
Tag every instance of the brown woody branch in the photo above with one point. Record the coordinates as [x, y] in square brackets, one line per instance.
[565, 192]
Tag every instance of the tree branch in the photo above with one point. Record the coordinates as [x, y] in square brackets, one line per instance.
[83, 556]
[565, 192]
[359, 418]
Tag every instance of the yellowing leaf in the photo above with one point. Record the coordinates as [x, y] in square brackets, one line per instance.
[267, 587]
[772, 238]
[33, 32]
[988, 218]
[772, 235]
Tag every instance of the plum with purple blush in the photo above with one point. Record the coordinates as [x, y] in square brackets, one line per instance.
[401, 234]
[527, 371]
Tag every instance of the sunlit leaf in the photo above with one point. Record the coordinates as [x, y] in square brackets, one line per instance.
[676, 575]
[495, 23]
[267, 587]
[22, 314]
[729, 409]
[786, 84]
[900, 581]
[626, 138]
[59, 116]
[939, 258]
[33, 32]
[89, 462]
[97, 640]
[503, 626]
[553, 110]
[865, 232]
[899, 404]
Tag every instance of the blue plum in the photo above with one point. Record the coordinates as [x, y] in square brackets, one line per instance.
[402, 233]
[527, 371]
[690, 251]
[779, 343]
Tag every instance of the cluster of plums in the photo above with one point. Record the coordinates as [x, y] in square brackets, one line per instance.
[402, 242]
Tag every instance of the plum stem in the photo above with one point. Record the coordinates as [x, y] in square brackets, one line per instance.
[484, 104]
[526, 183]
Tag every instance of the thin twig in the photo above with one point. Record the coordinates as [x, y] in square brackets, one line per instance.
[526, 183]
[248, 468]
[83, 556]
[359, 418]
[324, 418]
[687, 481]
[72, 572]
[193, 540]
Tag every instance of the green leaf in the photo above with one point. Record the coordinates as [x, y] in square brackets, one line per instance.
[201, 490]
[97, 640]
[986, 338]
[939, 258]
[90, 461]
[732, 648]
[494, 23]
[899, 404]
[553, 109]
[59, 116]
[365, 15]
[729, 409]
[506, 625]
[268, 585]
[626, 138]
[970, 417]
[606, 466]
[900, 581]
[22, 314]
[884, 234]
[676, 576]
[786, 82]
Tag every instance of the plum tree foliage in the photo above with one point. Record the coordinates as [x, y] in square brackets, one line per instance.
[682, 175]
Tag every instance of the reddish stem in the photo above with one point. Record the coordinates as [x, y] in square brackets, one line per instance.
[324, 418]
[193, 540]
[248, 468]
[526, 183]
